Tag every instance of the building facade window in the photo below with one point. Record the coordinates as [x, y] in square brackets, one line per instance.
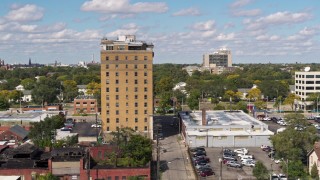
[145, 58]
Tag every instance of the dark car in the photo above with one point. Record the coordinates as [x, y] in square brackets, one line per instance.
[206, 160]
[197, 149]
[199, 153]
[274, 119]
[206, 172]
[204, 169]
[201, 163]
[234, 164]
[201, 158]
[229, 154]
[267, 149]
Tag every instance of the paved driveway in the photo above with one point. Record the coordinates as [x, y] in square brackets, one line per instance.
[174, 162]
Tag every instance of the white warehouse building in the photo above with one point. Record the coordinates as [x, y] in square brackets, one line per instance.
[223, 129]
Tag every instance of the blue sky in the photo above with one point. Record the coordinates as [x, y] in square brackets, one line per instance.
[256, 31]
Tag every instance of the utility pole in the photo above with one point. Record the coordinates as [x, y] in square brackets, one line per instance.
[158, 153]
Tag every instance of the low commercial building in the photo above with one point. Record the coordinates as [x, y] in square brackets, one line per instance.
[223, 129]
[86, 104]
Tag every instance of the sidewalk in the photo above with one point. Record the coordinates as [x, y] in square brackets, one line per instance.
[187, 160]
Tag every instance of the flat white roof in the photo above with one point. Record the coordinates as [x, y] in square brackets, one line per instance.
[230, 133]
[9, 177]
[215, 118]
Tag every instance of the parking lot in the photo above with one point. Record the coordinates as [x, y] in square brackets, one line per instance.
[238, 173]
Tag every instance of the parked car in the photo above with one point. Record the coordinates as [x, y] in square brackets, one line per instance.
[204, 169]
[229, 151]
[282, 177]
[249, 156]
[274, 119]
[66, 129]
[234, 164]
[317, 126]
[267, 149]
[274, 177]
[198, 166]
[197, 149]
[228, 158]
[200, 162]
[266, 119]
[246, 159]
[241, 151]
[96, 125]
[206, 160]
[277, 161]
[206, 173]
[249, 163]
[271, 154]
[203, 157]
[229, 154]
[199, 153]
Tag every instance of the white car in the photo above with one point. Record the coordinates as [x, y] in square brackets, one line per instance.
[96, 125]
[317, 126]
[266, 119]
[282, 177]
[241, 151]
[246, 156]
[246, 159]
[250, 163]
[277, 161]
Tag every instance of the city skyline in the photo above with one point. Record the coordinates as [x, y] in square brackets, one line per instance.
[255, 31]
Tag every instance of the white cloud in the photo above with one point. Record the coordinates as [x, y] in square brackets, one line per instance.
[308, 31]
[130, 28]
[187, 12]
[28, 12]
[123, 7]
[248, 13]
[240, 3]
[225, 37]
[278, 18]
[204, 26]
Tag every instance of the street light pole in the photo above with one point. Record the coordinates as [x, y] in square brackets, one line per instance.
[317, 105]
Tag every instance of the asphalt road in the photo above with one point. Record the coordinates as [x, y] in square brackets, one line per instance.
[174, 163]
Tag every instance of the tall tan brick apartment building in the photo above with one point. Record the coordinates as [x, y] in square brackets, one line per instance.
[126, 84]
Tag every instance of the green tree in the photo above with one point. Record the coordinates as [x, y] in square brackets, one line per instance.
[294, 143]
[70, 90]
[41, 132]
[193, 99]
[296, 170]
[241, 105]
[290, 100]
[314, 97]
[260, 171]
[164, 85]
[314, 172]
[46, 90]
[15, 95]
[28, 83]
[4, 103]
[254, 94]
[95, 89]
[48, 176]
[260, 104]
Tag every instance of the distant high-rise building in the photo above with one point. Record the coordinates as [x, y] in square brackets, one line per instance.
[126, 84]
[221, 58]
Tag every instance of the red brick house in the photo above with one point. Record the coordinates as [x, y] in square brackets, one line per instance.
[86, 104]
[15, 134]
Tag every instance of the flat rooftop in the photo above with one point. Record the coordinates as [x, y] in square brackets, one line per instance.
[223, 118]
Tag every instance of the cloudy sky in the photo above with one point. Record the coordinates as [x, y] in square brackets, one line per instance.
[256, 31]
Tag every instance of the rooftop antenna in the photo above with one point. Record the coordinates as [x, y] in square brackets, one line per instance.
[307, 69]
